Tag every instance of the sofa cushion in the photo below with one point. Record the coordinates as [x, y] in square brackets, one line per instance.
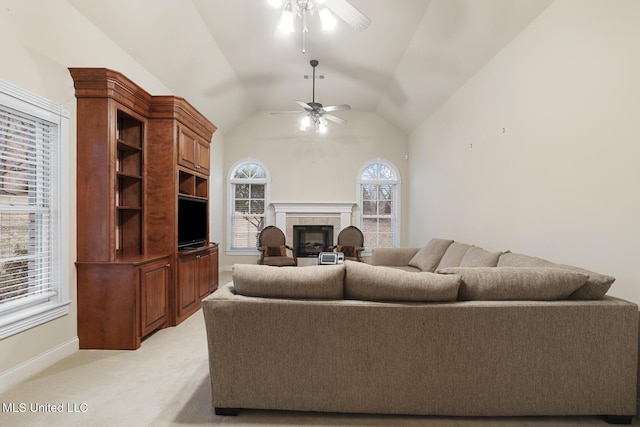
[510, 259]
[428, 258]
[314, 282]
[516, 283]
[453, 256]
[595, 288]
[478, 257]
[378, 283]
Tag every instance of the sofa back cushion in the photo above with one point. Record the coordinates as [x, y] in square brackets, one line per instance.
[453, 256]
[313, 282]
[478, 257]
[428, 258]
[516, 283]
[378, 283]
[595, 287]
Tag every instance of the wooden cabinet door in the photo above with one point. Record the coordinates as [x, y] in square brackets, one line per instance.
[204, 274]
[187, 293]
[154, 292]
[186, 149]
[202, 157]
[213, 280]
[193, 153]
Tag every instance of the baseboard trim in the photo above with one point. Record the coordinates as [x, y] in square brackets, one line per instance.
[29, 368]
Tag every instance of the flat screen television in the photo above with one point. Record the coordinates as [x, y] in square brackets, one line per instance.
[192, 222]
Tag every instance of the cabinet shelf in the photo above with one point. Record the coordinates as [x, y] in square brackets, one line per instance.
[127, 146]
[129, 176]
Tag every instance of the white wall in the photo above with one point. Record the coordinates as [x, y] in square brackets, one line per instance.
[538, 153]
[40, 40]
[307, 167]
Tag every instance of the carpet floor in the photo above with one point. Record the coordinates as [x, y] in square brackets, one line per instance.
[166, 383]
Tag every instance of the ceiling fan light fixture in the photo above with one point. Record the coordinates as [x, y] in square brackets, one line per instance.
[321, 126]
[305, 123]
[286, 19]
[329, 21]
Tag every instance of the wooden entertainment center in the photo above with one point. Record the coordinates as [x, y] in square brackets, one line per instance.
[137, 156]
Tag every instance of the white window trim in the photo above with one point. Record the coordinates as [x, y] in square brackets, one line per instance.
[397, 204]
[39, 312]
[267, 211]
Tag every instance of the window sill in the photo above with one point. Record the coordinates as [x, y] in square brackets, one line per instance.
[20, 321]
[242, 252]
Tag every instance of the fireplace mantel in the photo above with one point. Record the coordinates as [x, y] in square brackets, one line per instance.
[312, 209]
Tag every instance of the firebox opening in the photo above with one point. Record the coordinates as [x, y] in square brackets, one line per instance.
[310, 240]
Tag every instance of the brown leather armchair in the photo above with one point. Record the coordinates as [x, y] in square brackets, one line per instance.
[273, 248]
[350, 243]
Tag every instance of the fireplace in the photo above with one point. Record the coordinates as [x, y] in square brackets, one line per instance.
[310, 240]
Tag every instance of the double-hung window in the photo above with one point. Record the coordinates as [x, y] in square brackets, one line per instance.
[248, 201]
[32, 130]
[379, 200]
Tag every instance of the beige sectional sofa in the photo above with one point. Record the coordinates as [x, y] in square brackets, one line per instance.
[509, 340]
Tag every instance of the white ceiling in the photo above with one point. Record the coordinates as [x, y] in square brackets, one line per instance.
[226, 58]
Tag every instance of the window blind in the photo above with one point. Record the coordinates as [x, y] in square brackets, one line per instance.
[248, 191]
[247, 219]
[28, 183]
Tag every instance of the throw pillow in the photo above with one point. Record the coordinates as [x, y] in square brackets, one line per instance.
[510, 259]
[275, 250]
[516, 283]
[595, 288]
[453, 256]
[348, 251]
[313, 282]
[478, 257]
[376, 283]
[428, 258]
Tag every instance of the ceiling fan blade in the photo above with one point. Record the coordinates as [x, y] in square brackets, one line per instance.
[334, 119]
[304, 105]
[348, 13]
[337, 107]
[287, 112]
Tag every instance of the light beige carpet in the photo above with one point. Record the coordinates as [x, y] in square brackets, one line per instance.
[166, 383]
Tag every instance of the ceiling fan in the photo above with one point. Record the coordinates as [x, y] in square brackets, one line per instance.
[316, 114]
[326, 10]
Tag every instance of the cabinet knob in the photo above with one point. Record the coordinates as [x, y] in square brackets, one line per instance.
[168, 265]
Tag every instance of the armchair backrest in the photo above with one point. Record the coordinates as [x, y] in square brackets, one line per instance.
[351, 236]
[271, 236]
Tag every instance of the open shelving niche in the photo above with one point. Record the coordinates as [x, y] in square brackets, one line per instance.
[129, 183]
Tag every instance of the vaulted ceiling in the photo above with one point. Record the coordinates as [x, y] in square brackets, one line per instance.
[226, 58]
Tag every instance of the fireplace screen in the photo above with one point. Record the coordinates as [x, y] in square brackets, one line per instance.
[310, 240]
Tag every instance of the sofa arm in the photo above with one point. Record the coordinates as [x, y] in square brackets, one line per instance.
[396, 257]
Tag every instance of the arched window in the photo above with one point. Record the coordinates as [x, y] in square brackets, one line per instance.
[247, 191]
[379, 204]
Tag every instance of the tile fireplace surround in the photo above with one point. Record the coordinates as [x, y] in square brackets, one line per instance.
[288, 214]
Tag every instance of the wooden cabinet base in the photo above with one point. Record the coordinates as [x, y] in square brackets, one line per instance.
[122, 302]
